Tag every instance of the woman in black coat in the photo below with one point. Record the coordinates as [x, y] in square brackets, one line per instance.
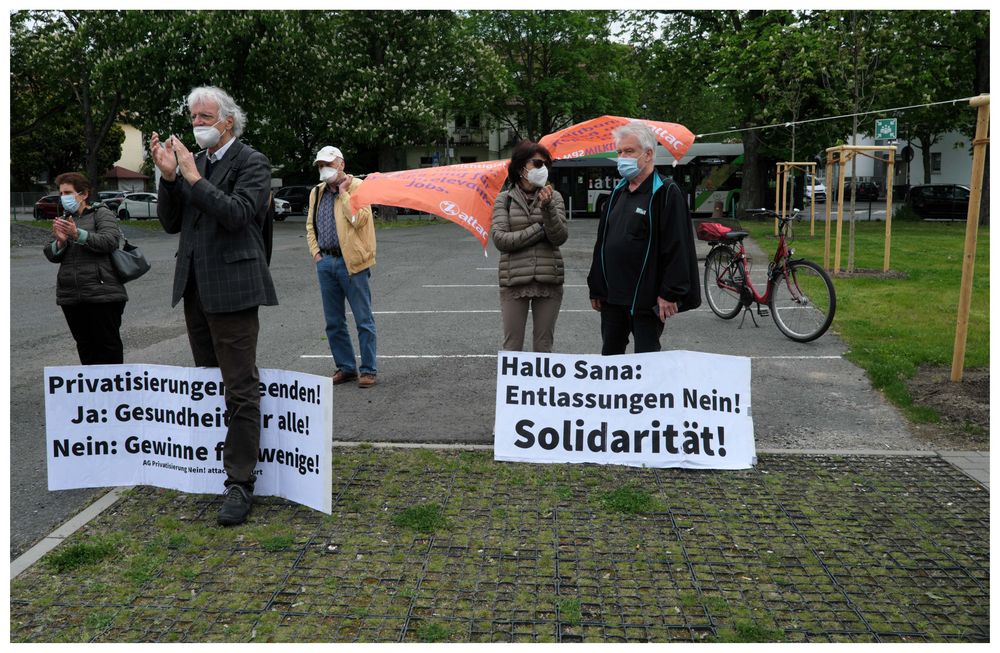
[87, 288]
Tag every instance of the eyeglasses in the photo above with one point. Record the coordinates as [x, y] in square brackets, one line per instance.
[538, 163]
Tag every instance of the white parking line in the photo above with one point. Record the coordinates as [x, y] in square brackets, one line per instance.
[484, 285]
[805, 358]
[381, 356]
[491, 310]
[404, 356]
[564, 269]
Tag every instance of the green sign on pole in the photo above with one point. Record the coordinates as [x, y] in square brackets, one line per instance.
[885, 128]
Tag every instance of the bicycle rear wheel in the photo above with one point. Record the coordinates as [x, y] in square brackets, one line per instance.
[723, 280]
[803, 301]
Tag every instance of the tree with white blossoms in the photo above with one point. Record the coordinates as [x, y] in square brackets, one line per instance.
[69, 87]
[371, 82]
[401, 74]
[562, 67]
[275, 64]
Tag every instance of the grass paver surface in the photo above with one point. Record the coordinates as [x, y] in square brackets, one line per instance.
[452, 546]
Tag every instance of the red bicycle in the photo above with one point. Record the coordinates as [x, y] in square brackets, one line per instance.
[799, 293]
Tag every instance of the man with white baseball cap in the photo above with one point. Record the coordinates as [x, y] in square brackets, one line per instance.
[342, 244]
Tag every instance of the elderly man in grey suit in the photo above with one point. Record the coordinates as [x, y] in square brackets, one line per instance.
[217, 200]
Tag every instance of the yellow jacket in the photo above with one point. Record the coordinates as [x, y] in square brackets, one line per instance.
[356, 232]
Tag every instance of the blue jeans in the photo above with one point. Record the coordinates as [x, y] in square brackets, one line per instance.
[336, 285]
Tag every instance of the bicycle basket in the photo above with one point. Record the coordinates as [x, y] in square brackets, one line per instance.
[711, 231]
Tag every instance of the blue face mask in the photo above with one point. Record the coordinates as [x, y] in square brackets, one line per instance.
[628, 168]
[69, 203]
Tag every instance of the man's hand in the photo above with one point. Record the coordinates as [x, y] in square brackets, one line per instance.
[595, 304]
[163, 157]
[665, 309]
[317, 258]
[189, 169]
[345, 183]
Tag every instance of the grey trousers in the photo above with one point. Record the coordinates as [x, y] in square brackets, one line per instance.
[514, 315]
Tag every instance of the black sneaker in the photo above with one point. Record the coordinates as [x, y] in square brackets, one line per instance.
[236, 504]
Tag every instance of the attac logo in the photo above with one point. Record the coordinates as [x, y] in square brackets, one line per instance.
[450, 207]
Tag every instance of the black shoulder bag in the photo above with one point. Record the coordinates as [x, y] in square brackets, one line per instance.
[128, 260]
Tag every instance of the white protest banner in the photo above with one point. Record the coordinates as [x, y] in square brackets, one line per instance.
[110, 425]
[664, 409]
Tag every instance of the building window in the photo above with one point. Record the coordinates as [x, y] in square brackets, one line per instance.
[935, 163]
[463, 122]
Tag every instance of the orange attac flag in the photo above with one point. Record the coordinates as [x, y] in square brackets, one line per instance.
[594, 137]
[462, 193]
[465, 193]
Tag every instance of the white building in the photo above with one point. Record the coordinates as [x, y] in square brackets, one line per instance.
[124, 174]
[951, 162]
[469, 139]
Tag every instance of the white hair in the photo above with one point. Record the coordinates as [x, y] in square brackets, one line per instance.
[641, 131]
[227, 105]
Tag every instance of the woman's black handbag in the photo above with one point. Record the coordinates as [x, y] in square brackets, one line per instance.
[129, 261]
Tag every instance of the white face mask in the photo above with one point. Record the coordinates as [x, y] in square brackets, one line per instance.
[538, 176]
[207, 136]
[328, 174]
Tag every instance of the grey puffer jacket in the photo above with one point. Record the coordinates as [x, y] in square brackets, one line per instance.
[86, 275]
[529, 238]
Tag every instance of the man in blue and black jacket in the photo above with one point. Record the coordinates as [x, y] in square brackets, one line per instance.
[645, 268]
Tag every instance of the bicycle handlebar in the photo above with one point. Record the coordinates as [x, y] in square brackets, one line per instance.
[772, 214]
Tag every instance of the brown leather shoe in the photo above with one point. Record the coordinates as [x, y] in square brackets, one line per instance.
[343, 377]
[366, 380]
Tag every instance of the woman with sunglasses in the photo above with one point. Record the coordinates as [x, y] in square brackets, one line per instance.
[529, 225]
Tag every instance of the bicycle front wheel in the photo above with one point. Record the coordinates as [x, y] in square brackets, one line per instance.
[803, 301]
[723, 280]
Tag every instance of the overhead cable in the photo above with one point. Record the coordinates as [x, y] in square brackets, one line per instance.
[789, 124]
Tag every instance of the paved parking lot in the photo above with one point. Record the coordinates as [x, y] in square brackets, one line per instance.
[437, 311]
[436, 304]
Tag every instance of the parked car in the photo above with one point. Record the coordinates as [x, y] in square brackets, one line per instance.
[820, 189]
[138, 206]
[111, 198]
[941, 201]
[296, 196]
[282, 209]
[865, 191]
[47, 207]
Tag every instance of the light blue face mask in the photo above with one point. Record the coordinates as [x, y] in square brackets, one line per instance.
[628, 168]
[69, 203]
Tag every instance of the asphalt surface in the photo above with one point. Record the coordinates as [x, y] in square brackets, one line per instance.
[436, 304]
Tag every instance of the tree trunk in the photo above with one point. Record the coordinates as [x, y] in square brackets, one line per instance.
[387, 162]
[925, 156]
[387, 158]
[752, 193]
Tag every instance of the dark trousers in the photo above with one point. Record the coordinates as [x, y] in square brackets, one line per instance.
[95, 327]
[616, 325]
[229, 341]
